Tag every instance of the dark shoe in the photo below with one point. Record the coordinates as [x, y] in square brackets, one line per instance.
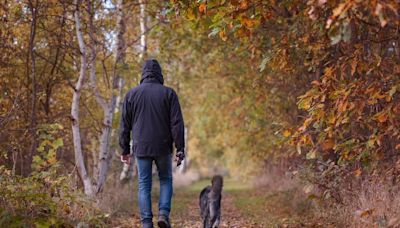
[147, 225]
[163, 222]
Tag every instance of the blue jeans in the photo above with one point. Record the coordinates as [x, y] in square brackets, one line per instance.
[164, 167]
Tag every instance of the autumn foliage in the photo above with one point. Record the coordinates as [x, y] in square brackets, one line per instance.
[318, 86]
[312, 86]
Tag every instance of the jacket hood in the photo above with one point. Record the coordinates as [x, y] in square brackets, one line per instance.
[151, 72]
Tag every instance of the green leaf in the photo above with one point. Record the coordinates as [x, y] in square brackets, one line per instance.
[311, 155]
[58, 143]
[37, 159]
[305, 103]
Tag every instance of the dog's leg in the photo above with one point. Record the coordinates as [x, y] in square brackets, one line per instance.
[207, 222]
[213, 213]
[216, 223]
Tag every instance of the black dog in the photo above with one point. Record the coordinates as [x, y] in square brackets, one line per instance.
[210, 203]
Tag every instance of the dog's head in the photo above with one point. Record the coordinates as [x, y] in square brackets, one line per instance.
[217, 182]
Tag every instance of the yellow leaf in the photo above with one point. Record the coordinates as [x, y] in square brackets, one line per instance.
[311, 155]
[338, 10]
[286, 133]
[306, 123]
[342, 7]
[222, 35]
[305, 102]
[190, 15]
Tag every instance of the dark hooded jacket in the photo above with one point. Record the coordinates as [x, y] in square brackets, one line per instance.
[153, 114]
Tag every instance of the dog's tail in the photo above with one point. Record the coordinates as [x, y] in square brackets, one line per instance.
[216, 184]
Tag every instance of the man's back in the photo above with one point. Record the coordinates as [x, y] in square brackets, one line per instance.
[153, 114]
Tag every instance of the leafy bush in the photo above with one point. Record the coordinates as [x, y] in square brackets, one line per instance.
[46, 197]
[43, 199]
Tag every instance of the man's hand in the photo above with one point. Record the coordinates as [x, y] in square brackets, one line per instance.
[179, 157]
[126, 158]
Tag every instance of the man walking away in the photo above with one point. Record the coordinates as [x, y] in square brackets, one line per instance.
[153, 114]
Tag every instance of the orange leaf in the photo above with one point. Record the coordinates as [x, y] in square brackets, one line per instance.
[367, 212]
[286, 133]
[222, 35]
[353, 67]
[244, 4]
[357, 172]
[382, 117]
[315, 83]
[249, 22]
[202, 8]
[328, 144]
[242, 32]
[341, 8]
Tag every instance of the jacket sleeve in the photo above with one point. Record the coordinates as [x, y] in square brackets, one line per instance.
[177, 125]
[125, 126]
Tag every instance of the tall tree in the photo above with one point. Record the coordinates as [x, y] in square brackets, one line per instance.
[143, 30]
[79, 158]
[109, 109]
[31, 72]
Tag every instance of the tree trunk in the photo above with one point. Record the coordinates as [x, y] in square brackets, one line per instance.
[120, 60]
[80, 164]
[105, 155]
[143, 29]
[31, 57]
[128, 169]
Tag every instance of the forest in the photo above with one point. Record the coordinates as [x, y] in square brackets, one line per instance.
[295, 103]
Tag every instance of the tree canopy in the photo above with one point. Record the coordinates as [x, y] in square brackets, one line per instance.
[309, 85]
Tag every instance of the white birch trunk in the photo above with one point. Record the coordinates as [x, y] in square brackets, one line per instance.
[87, 183]
[105, 155]
[94, 158]
[102, 165]
[143, 29]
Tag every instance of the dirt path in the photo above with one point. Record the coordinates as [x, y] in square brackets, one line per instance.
[189, 217]
[231, 218]
[242, 207]
[186, 213]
